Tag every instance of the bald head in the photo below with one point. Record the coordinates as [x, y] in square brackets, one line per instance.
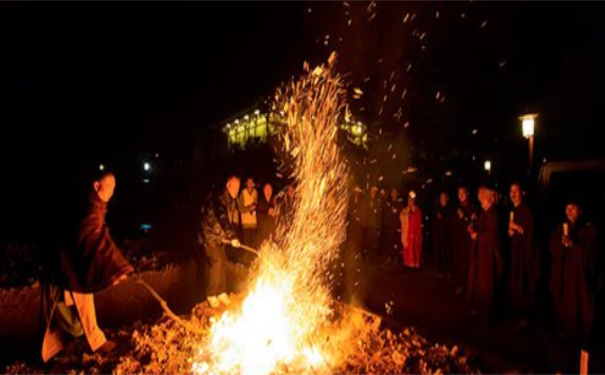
[104, 186]
[233, 186]
[487, 197]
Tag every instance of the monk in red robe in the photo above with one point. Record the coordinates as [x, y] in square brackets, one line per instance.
[411, 232]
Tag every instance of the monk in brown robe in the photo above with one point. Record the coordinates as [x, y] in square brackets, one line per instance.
[573, 250]
[88, 263]
[486, 264]
[523, 267]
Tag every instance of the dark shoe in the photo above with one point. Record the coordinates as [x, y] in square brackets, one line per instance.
[107, 347]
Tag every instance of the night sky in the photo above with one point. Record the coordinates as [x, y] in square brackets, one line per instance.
[89, 83]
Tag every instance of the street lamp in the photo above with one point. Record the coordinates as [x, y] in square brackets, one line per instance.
[528, 123]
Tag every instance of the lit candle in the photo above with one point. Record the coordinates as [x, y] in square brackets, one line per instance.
[565, 229]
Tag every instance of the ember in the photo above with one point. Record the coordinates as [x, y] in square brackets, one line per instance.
[282, 323]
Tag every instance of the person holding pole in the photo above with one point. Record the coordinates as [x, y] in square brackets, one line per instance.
[88, 262]
[220, 217]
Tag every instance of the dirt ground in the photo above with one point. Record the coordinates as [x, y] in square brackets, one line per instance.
[422, 299]
[405, 298]
[120, 306]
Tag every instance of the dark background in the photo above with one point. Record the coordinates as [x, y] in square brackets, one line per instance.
[88, 83]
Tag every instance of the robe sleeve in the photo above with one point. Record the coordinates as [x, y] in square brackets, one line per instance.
[557, 250]
[488, 232]
[405, 225]
[586, 246]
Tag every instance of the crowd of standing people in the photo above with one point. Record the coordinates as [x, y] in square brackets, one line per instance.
[488, 251]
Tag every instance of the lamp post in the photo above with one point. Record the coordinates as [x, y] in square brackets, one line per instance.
[528, 123]
[488, 166]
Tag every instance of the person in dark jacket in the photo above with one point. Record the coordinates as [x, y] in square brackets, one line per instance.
[220, 217]
[573, 250]
[87, 263]
[523, 260]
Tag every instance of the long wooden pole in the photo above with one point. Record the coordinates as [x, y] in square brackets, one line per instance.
[243, 247]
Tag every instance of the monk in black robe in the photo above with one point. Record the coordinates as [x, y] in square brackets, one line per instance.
[442, 248]
[573, 250]
[464, 217]
[523, 259]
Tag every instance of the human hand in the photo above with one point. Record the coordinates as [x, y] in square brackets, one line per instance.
[567, 241]
[460, 213]
[119, 280]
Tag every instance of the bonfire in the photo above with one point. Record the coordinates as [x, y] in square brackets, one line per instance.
[287, 322]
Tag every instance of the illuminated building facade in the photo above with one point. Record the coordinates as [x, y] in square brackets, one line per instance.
[257, 125]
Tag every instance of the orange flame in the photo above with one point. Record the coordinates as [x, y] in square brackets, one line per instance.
[282, 323]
